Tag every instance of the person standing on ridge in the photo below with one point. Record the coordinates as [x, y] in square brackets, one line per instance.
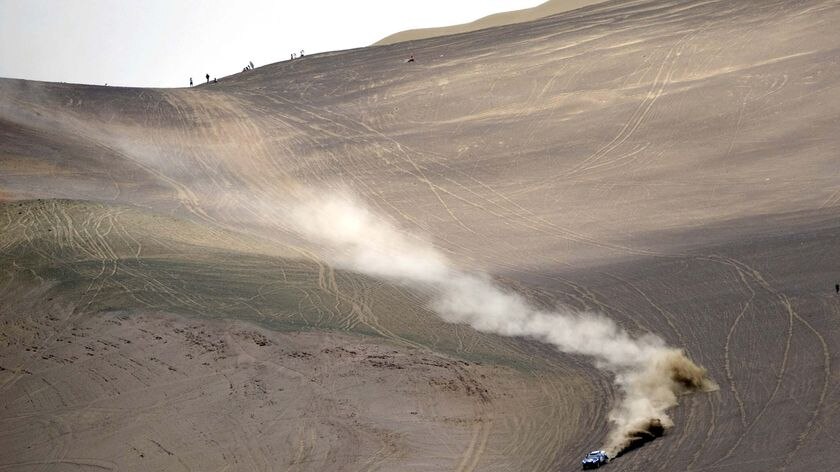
[190, 81]
[208, 77]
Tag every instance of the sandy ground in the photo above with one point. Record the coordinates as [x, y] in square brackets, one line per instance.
[157, 392]
[672, 165]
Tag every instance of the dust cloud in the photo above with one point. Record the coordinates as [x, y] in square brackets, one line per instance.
[649, 374]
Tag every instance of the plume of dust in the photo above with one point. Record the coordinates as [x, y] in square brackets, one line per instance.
[650, 374]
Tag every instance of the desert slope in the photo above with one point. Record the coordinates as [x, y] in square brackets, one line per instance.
[672, 165]
[551, 7]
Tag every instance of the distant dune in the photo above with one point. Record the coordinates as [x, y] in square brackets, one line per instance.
[551, 7]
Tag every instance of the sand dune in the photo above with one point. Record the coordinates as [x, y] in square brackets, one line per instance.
[669, 165]
[551, 7]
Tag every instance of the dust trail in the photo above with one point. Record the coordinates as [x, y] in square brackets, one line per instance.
[650, 374]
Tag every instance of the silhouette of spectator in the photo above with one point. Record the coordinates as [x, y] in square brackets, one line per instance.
[208, 77]
[301, 53]
[190, 81]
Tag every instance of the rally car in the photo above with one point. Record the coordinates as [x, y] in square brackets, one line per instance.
[595, 459]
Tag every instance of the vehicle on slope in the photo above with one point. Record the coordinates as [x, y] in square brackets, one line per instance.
[595, 459]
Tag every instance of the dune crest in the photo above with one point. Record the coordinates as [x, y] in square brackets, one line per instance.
[551, 7]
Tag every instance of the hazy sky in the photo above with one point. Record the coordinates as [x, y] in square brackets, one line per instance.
[162, 43]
